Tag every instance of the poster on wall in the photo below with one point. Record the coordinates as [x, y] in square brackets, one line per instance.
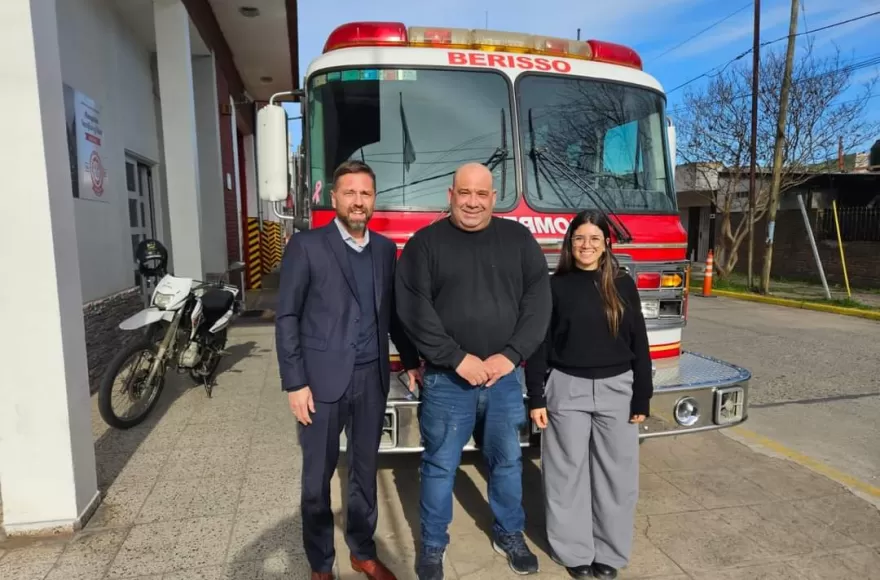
[84, 146]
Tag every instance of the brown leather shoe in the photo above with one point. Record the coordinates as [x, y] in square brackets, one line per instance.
[374, 569]
[322, 575]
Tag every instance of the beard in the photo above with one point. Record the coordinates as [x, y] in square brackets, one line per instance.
[357, 224]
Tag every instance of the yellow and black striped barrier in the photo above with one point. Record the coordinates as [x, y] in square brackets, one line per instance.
[271, 246]
[254, 258]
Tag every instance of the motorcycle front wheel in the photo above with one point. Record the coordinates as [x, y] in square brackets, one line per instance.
[133, 388]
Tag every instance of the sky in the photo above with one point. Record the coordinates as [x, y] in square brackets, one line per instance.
[658, 30]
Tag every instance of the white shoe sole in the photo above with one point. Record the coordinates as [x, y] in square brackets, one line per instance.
[501, 551]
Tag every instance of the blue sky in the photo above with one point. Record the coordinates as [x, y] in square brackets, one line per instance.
[651, 27]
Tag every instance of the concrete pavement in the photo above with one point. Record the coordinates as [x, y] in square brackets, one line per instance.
[208, 489]
[815, 385]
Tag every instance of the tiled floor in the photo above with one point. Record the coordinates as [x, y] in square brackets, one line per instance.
[208, 490]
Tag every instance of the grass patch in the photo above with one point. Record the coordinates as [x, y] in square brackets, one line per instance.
[849, 303]
[734, 285]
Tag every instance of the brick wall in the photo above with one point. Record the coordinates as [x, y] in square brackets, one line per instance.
[793, 257]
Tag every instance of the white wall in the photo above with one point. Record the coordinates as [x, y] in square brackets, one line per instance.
[101, 58]
[104, 59]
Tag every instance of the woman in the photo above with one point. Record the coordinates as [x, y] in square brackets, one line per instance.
[590, 404]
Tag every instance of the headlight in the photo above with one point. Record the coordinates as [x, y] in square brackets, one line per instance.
[687, 411]
[162, 300]
[651, 308]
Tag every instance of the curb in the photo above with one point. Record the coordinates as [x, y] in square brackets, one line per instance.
[856, 312]
[854, 484]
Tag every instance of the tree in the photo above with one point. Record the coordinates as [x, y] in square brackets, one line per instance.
[715, 128]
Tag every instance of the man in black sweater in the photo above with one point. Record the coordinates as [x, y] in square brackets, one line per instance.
[473, 293]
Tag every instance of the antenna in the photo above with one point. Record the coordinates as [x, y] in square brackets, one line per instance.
[487, 20]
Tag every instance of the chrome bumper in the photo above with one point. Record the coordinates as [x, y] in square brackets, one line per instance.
[692, 393]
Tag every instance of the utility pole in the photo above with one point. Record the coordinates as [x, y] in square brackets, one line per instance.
[753, 145]
[778, 148]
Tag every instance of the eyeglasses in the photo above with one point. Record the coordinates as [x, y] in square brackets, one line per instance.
[595, 241]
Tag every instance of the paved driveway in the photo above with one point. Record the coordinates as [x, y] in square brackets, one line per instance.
[208, 490]
[816, 386]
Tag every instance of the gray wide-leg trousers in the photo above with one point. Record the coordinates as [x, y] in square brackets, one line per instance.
[590, 469]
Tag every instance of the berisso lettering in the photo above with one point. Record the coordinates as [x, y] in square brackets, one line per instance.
[519, 61]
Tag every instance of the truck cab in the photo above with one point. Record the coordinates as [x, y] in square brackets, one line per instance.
[563, 125]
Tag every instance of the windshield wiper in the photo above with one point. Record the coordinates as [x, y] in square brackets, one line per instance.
[623, 234]
[540, 170]
[504, 148]
[498, 156]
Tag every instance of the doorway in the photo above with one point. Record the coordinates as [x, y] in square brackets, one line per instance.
[141, 210]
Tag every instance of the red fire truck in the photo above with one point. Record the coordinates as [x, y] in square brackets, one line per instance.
[562, 124]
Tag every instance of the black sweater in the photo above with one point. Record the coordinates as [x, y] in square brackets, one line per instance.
[579, 342]
[479, 293]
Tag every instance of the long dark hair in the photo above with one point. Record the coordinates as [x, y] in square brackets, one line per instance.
[609, 267]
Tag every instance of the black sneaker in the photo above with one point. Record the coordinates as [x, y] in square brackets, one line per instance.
[519, 557]
[430, 566]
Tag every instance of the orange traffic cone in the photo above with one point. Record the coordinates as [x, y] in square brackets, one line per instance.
[707, 277]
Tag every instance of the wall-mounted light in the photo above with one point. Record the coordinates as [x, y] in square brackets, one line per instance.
[249, 11]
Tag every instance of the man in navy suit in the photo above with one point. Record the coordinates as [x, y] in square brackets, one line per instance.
[335, 314]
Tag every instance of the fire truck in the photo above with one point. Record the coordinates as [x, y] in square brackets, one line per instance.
[562, 124]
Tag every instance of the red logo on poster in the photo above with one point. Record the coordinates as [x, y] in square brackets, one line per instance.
[96, 171]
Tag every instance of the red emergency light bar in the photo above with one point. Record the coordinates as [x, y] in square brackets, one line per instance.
[397, 34]
[615, 54]
[367, 34]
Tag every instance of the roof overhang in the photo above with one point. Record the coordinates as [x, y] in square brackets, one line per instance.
[257, 39]
[254, 41]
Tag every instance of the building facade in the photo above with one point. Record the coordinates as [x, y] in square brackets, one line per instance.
[130, 119]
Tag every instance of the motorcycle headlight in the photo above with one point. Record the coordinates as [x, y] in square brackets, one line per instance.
[163, 300]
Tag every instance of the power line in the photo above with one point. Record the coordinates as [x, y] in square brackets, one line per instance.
[763, 44]
[873, 59]
[708, 28]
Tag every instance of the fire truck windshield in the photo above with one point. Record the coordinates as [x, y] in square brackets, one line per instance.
[414, 127]
[610, 135]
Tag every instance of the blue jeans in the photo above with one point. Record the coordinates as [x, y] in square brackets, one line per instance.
[451, 410]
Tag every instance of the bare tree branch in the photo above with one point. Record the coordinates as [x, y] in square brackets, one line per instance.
[715, 127]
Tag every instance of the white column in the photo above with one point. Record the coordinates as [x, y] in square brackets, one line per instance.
[174, 58]
[242, 250]
[47, 453]
[250, 169]
[211, 179]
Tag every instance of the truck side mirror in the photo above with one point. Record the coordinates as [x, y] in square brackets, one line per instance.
[670, 137]
[272, 153]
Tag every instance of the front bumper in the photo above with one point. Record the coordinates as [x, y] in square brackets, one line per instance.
[692, 393]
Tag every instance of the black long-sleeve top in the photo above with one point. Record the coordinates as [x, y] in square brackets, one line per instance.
[481, 293]
[579, 342]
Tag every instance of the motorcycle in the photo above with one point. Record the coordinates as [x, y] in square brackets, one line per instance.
[184, 327]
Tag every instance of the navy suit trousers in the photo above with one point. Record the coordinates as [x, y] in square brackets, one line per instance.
[360, 412]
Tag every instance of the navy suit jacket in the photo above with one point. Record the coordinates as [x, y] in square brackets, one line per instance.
[316, 320]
